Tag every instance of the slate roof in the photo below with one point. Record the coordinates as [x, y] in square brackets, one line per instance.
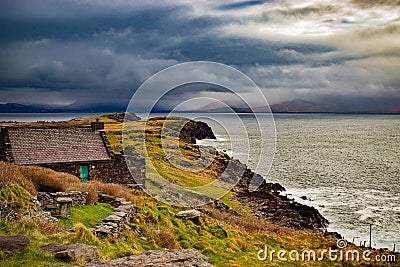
[56, 145]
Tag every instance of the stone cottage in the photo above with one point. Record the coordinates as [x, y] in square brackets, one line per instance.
[81, 151]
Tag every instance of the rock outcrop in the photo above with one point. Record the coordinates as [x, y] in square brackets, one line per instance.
[121, 116]
[74, 252]
[196, 130]
[14, 243]
[158, 258]
[188, 214]
[281, 210]
[187, 130]
[266, 201]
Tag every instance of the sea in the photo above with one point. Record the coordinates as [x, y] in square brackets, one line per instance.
[346, 166]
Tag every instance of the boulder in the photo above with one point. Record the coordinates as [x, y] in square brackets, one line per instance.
[14, 243]
[72, 252]
[53, 248]
[188, 214]
[158, 258]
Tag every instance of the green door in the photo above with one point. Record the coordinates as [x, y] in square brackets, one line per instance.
[84, 173]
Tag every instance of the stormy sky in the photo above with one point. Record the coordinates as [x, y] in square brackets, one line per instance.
[96, 52]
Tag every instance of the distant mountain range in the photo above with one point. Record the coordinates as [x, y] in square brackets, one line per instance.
[19, 108]
[328, 105]
[298, 105]
[323, 105]
[339, 105]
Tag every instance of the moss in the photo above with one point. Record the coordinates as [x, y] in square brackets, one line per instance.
[219, 233]
[232, 245]
[185, 244]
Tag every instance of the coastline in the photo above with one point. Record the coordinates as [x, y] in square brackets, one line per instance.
[315, 198]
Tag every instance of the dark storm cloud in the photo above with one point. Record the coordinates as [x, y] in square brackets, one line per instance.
[93, 53]
[241, 51]
[81, 69]
[102, 51]
[186, 92]
[240, 5]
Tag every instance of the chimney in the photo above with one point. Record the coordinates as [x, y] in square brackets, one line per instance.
[97, 125]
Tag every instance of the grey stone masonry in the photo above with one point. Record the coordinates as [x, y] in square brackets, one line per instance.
[49, 201]
[65, 206]
[5, 146]
[116, 221]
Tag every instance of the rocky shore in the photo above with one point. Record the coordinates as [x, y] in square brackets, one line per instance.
[266, 202]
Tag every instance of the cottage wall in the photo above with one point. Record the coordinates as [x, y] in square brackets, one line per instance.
[2, 146]
[113, 171]
[5, 147]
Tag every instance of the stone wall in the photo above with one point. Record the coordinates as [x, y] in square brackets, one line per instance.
[50, 199]
[116, 221]
[111, 225]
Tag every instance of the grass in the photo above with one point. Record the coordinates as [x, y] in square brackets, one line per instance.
[31, 256]
[160, 170]
[227, 240]
[89, 216]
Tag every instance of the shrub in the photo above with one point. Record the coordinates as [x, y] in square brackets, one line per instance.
[48, 180]
[46, 225]
[115, 190]
[10, 175]
[16, 198]
[84, 235]
[162, 238]
[166, 239]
